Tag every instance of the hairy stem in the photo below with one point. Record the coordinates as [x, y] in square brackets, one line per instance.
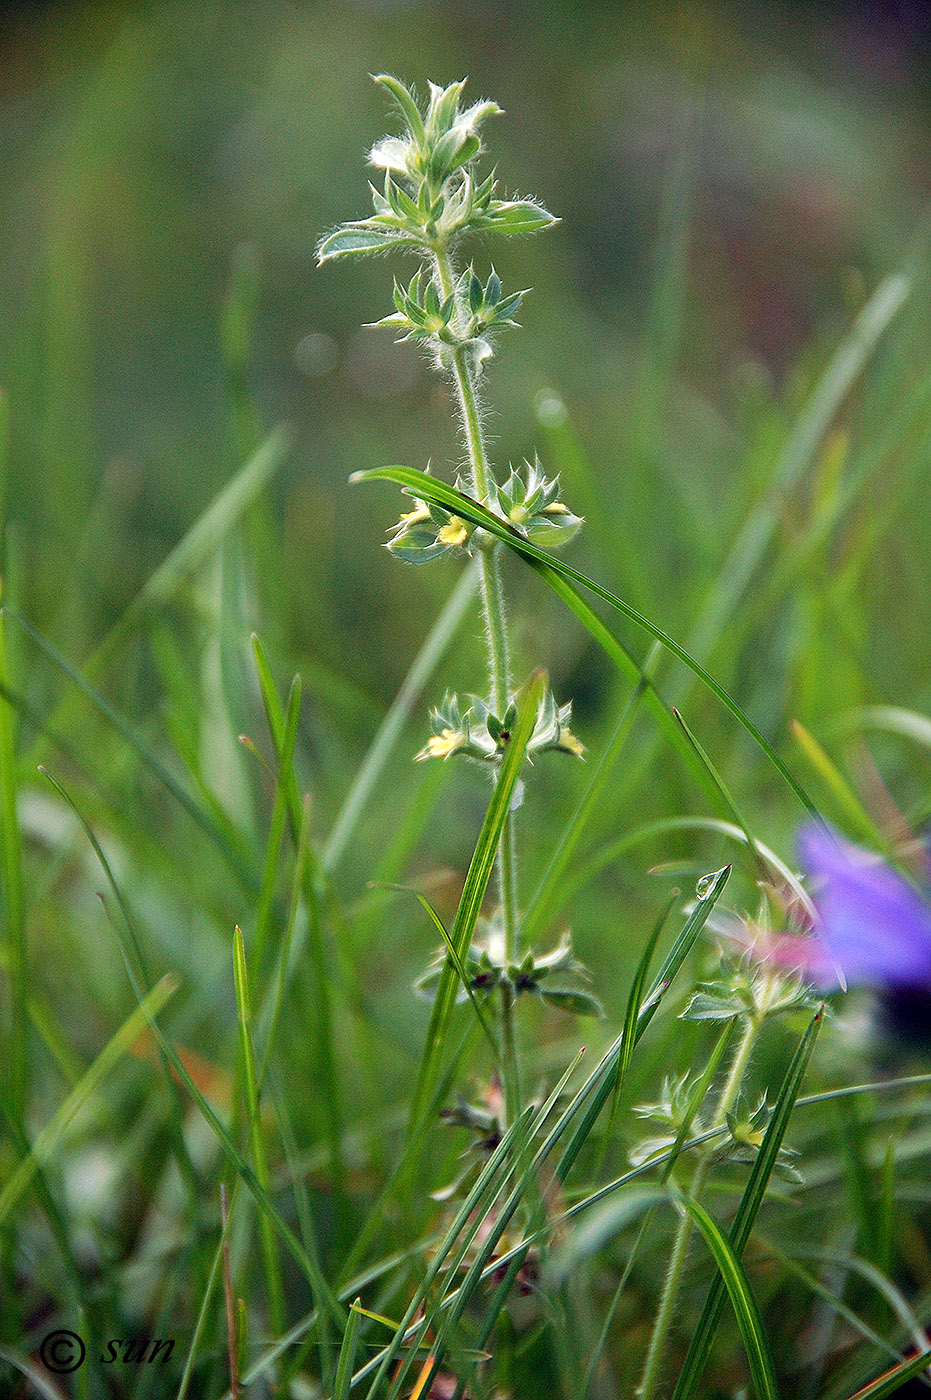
[680, 1248]
[499, 670]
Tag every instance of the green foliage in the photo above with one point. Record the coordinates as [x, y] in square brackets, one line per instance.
[438, 1199]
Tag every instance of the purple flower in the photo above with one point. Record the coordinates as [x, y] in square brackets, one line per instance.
[873, 928]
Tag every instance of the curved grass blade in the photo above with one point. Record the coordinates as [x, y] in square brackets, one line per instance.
[890, 1381]
[609, 854]
[743, 1302]
[728, 800]
[562, 578]
[747, 1211]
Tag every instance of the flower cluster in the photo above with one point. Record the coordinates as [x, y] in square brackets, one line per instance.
[431, 194]
[529, 502]
[474, 731]
[557, 977]
[465, 317]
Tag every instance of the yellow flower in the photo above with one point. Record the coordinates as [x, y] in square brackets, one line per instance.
[454, 532]
[443, 744]
[570, 743]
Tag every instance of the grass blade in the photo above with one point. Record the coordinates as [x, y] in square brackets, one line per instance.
[372, 766]
[890, 1381]
[743, 1302]
[456, 960]
[635, 1001]
[347, 1353]
[129, 948]
[146, 753]
[273, 1280]
[14, 924]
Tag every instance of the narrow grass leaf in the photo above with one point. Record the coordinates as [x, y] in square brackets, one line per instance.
[602, 1081]
[389, 731]
[274, 1282]
[728, 800]
[347, 1353]
[131, 957]
[284, 781]
[198, 544]
[635, 1000]
[236, 857]
[277, 724]
[457, 962]
[890, 1382]
[14, 924]
[838, 785]
[742, 1301]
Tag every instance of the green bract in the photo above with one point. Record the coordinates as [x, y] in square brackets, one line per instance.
[532, 505]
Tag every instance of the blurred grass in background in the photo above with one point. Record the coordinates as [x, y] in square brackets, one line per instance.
[734, 182]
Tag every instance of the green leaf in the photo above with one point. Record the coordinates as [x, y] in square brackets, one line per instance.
[49, 1140]
[890, 1381]
[349, 241]
[265, 1202]
[568, 999]
[405, 101]
[347, 1353]
[562, 579]
[703, 1007]
[519, 216]
[602, 1080]
[742, 1300]
[455, 959]
[632, 1013]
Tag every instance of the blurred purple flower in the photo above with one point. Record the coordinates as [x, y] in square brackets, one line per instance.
[873, 928]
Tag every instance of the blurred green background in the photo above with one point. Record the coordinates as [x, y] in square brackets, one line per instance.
[733, 182]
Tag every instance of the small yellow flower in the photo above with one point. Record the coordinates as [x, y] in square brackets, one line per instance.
[443, 744]
[569, 742]
[420, 513]
[454, 532]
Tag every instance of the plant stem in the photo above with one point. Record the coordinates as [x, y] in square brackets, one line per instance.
[499, 670]
[680, 1248]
